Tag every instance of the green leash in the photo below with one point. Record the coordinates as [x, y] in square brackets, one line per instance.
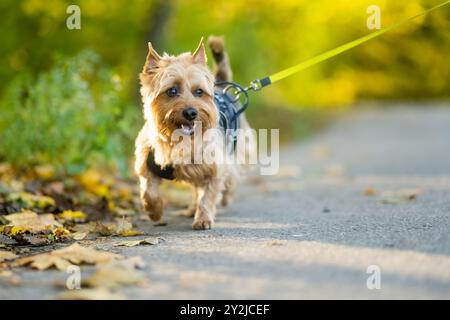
[258, 84]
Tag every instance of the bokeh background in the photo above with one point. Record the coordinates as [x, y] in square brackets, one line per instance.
[69, 98]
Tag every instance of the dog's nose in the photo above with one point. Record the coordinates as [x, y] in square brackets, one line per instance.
[190, 113]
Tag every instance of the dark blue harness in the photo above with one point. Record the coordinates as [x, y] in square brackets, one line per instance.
[226, 100]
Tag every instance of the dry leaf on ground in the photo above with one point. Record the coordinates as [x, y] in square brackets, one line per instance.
[61, 259]
[79, 235]
[31, 221]
[400, 196]
[6, 255]
[133, 243]
[91, 294]
[114, 276]
[125, 229]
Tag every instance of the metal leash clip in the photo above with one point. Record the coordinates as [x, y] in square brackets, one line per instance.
[235, 92]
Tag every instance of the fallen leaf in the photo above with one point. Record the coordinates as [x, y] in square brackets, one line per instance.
[130, 233]
[103, 229]
[114, 276]
[73, 216]
[79, 235]
[125, 229]
[43, 261]
[34, 240]
[60, 233]
[61, 259]
[133, 243]
[94, 182]
[91, 294]
[29, 200]
[6, 255]
[400, 196]
[30, 221]
[123, 226]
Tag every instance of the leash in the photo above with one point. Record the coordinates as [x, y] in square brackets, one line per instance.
[258, 84]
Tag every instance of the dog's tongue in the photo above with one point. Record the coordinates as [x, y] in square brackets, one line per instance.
[187, 129]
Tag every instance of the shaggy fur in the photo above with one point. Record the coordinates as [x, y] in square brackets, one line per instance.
[164, 114]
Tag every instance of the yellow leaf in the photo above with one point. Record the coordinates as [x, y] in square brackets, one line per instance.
[60, 233]
[130, 233]
[92, 181]
[18, 230]
[76, 216]
[125, 229]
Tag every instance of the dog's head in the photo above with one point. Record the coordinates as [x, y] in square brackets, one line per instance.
[178, 91]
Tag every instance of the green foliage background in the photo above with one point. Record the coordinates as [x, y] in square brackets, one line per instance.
[70, 97]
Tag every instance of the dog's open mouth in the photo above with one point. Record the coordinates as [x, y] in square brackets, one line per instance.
[188, 129]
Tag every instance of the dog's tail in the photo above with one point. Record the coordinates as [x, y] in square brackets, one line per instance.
[222, 68]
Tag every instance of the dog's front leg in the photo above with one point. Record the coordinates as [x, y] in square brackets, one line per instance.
[206, 207]
[150, 198]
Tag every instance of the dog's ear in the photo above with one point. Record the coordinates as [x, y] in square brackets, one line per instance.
[199, 54]
[152, 59]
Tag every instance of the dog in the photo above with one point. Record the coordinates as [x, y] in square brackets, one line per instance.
[178, 96]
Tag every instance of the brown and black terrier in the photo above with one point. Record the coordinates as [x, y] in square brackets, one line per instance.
[178, 96]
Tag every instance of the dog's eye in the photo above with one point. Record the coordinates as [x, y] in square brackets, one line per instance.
[198, 92]
[172, 92]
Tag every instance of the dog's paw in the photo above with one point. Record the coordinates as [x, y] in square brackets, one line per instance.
[202, 224]
[154, 207]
